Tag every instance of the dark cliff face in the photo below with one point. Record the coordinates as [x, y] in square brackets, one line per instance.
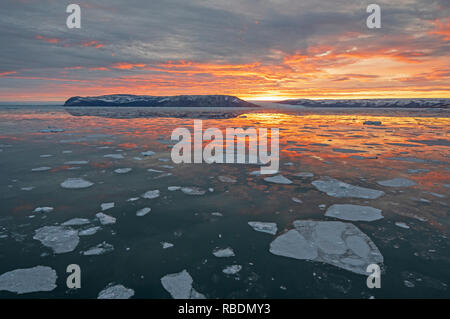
[380, 103]
[161, 101]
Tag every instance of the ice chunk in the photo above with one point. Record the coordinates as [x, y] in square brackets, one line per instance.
[297, 200]
[29, 188]
[227, 179]
[402, 225]
[41, 169]
[59, 238]
[76, 183]
[105, 219]
[336, 243]
[270, 228]
[143, 211]
[76, 222]
[354, 212]
[76, 163]
[22, 281]
[278, 179]
[106, 206]
[304, 174]
[166, 245]
[151, 194]
[148, 153]
[173, 188]
[336, 188]
[232, 270]
[179, 286]
[43, 210]
[193, 191]
[100, 249]
[397, 182]
[116, 292]
[154, 170]
[114, 156]
[89, 231]
[123, 170]
[223, 253]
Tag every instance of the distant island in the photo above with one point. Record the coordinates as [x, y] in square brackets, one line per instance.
[159, 101]
[377, 103]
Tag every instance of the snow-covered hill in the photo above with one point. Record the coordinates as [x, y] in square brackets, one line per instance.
[389, 103]
[168, 101]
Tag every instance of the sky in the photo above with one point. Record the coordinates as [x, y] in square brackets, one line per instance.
[253, 49]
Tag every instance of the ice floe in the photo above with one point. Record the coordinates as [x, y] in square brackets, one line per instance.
[154, 170]
[35, 279]
[336, 243]
[100, 249]
[193, 191]
[41, 169]
[116, 292]
[336, 188]
[304, 174]
[179, 286]
[270, 228]
[89, 231]
[106, 206]
[232, 270]
[151, 194]
[76, 163]
[43, 210]
[297, 200]
[278, 179]
[223, 253]
[105, 219]
[76, 183]
[227, 179]
[29, 188]
[397, 182]
[122, 170]
[143, 211]
[173, 188]
[76, 222]
[354, 212]
[59, 238]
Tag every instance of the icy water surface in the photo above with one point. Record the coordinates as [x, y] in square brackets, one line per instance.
[60, 171]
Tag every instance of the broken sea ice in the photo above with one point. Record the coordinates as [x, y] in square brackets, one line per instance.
[179, 286]
[336, 188]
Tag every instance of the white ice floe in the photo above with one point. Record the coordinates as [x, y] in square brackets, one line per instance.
[232, 270]
[223, 253]
[336, 188]
[114, 156]
[148, 153]
[151, 194]
[227, 179]
[76, 183]
[76, 222]
[116, 292]
[89, 231]
[354, 212]
[166, 245]
[304, 174]
[151, 170]
[143, 211]
[179, 286]
[45, 155]
[105, 219]
[122, 170]
[67, 152]
[106, 206]
[193, 191]
[217, 214]
[269, 228]
[29, 188]
[336, 243]
[41, 169]
[22, 281]
[100, 249]
[59, 238]
[76, 163]
[297, 200]
[43, 210]
[133, 199]
[397, 182]
[173, 188]
[402, 225]
[278, 179]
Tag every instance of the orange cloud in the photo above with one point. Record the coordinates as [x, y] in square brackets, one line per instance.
[442, 29]
[127, 66]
